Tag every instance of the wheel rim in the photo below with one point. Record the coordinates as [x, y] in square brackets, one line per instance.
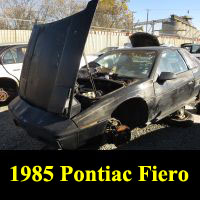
[3, 95]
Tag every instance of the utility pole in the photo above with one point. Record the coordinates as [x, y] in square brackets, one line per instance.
[133, 12]
[147, 20]
[153, 27]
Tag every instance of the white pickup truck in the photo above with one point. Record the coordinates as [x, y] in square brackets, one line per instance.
[11, 59]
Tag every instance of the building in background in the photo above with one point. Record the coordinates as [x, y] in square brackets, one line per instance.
[179, 26]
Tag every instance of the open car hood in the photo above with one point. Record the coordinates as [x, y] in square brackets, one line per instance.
[52, 60]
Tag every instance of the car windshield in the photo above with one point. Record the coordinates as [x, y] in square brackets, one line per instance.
[137, 63]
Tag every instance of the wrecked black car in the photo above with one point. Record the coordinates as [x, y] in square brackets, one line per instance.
[121, 90]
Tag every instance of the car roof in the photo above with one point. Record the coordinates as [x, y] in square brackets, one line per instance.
[4, 47]
[190, 44]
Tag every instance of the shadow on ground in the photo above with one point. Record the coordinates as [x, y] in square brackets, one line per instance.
[168, 138]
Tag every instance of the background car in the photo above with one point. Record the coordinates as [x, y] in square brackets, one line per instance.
[94, 56]
[192, 48]
[11, 59]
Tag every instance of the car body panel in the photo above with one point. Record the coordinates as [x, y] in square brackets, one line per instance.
[52, 61]
[13, 70]
[193, 63]
[161, 100]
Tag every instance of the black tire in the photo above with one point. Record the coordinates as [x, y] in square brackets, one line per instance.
[11, 92]
[187, 122]
[197, 106]
[198, 109]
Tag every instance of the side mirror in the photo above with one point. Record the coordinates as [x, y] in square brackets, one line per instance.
[164, 76]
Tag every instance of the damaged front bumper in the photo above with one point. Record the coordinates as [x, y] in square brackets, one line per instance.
[52, 129]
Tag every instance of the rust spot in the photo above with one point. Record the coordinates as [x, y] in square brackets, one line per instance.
[122, 128]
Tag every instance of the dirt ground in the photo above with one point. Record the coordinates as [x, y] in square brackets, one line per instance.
[14, 138]
[152, 137]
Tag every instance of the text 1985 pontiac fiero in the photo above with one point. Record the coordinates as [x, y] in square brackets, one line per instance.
[119, 91]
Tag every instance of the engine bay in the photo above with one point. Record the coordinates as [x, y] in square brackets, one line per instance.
[94, 83]
[85, 93]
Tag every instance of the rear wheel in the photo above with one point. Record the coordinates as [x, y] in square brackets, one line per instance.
[198, 109]
[198, 105]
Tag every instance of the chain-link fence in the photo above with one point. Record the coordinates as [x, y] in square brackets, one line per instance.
[99, 37]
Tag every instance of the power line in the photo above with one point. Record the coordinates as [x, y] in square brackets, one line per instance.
[171, 9]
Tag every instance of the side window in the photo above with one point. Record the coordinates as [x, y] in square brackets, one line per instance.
[8, 58]
[18, 54]
[171, 61]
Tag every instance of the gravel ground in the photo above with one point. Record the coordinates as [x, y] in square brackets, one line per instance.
[153, 137]
[14, 138]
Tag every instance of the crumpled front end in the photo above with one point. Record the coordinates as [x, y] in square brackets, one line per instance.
[46, 102]
[52, 129]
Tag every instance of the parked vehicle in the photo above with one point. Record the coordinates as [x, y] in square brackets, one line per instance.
[90, 58]
[192, 48]
[11, 59]
[94, 56]
[107, 49]
[122, 89]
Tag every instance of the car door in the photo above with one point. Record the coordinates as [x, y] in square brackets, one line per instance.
[173, 94]
[13, 60]
[194, 66]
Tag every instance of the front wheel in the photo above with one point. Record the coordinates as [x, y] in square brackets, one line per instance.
[7, 95]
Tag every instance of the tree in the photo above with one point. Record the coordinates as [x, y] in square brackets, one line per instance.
[18, 9]
[57, 9]
[109, 14]
[30, 11]
[113, 14]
